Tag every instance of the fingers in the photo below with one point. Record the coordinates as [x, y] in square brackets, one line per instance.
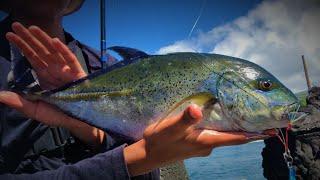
[15, 101]
[31, 40]
[69, 57]
[46, 58]
[184, 123]
[191, 115]
[43, 37]
[36, 110]
[30, 54]
[46, 40]
[179, 125]
[39, 41]
[216, 139]
[194, 113]
[37, 64]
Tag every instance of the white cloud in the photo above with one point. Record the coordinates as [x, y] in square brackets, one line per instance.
[274, 35]
[179, 46]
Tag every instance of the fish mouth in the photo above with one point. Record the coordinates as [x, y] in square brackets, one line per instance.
[291, 112]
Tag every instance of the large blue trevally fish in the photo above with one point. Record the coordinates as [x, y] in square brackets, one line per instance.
[235, 94]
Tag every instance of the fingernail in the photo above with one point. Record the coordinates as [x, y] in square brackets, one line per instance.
[33, 27]
[9, 35]
[16, 24]
[56, 39]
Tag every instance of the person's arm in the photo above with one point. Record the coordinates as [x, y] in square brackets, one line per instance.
[55, 65]
[109, 165]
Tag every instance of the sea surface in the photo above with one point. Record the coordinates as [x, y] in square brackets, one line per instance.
[234, 162]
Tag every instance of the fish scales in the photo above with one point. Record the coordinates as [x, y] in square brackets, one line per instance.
[127, 99]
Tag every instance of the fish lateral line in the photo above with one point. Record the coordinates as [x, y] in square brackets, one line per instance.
[93, 95]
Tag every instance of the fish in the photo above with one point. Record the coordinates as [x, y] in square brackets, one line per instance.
[125, 98]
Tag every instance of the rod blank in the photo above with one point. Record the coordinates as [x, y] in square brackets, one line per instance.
[306, 73]
[103, 45]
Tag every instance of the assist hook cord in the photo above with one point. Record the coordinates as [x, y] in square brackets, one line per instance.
[284, 139]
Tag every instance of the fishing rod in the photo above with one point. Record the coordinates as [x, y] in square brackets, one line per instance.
[103, 44]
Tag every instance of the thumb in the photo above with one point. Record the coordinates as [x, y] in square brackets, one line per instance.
[175, 124]
[191, 115]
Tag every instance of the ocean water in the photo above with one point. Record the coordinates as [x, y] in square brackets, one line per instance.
[234, 162]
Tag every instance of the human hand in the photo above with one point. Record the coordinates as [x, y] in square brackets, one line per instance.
[55, 65]
[51, 116]
[53, 62]
[176, 138]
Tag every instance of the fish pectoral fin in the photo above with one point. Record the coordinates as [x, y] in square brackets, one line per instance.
[200, 99]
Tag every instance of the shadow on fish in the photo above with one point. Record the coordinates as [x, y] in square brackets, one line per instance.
[235, 94]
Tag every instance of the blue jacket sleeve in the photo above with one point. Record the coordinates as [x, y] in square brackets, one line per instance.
[108, 165]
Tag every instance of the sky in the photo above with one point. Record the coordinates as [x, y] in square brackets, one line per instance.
[272, 33]
[151, 24]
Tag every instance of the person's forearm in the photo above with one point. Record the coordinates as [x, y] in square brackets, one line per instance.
[137, 159]
[108, 165]
[90, 135]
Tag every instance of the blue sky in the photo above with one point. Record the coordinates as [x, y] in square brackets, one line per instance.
[271, 33]
[151, 24]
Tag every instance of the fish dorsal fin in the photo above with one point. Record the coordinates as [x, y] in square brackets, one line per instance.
[129, 53]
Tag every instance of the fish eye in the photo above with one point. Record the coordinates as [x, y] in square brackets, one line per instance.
[265, 85]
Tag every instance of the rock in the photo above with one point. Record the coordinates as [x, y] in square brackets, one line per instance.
[176, 171]
[307, 155]
[314, 97]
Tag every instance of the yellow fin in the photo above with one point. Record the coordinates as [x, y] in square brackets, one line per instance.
[200, 99]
